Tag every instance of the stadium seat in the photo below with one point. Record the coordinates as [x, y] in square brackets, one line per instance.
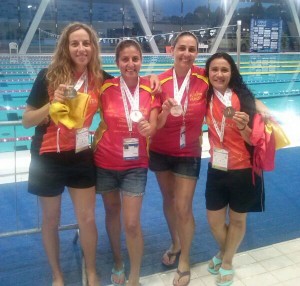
[13, 46]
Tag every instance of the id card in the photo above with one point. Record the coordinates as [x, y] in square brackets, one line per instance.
[130, 148]
[220, 159]
[182, 137]
[82, 139]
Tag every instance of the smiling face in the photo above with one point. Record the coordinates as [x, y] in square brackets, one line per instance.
[129, 61]
[185, 52]
[80, 49]
[219, 74]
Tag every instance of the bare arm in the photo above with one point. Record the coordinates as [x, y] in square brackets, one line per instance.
[262, 108]
[33, 116]
[166, 108]
[148, 128]
[154, 83]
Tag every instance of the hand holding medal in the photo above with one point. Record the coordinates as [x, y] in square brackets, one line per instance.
[176, 110]
[136, 116]
[169, 106]
[241, 119]
[229, 112]
[70, 92]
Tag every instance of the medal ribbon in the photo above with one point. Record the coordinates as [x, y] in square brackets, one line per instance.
[83, 79]
[226, 100]
[134, 100]
[178, 94]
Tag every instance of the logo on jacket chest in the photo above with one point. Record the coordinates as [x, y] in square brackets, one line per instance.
[196, 96]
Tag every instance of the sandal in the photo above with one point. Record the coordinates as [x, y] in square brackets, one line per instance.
[170, 256]
[222, 273]
[120, 273]
[181, 275]
[217, 262]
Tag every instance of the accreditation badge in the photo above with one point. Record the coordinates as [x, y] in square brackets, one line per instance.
[82, 139]
[220, 159]
[130, 148]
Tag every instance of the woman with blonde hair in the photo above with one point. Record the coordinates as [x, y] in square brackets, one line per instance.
[60, 153]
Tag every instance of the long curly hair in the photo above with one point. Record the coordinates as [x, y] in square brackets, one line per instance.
[61, 67]
[236, 83]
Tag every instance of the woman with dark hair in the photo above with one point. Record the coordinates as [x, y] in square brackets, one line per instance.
[175, 149]
[232, 188]
[128, 112]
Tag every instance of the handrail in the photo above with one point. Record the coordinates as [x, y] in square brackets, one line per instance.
[11, 123]
[14, 124]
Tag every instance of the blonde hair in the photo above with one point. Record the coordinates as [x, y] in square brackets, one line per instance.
[61, 67]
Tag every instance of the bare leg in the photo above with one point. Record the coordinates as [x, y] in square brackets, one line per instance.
[228, 237]
[112, 205]
[51, 217]
[84, 205]
[184, 193]
[218, 227]
[166, 181]
[134, 237]
[235, 234]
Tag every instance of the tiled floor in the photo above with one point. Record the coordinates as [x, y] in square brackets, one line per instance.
[277, 264]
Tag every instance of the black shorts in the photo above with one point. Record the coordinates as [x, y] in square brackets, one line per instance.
[188, 167]
[50, 173]
[234, 188]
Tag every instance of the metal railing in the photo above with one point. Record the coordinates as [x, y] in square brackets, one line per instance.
[38, 227]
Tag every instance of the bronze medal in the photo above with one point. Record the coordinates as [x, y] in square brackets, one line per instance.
[229, 111]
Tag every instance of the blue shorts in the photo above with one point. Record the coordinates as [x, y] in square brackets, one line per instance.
[50, 173]
[234, 188]
[130, 182]
[188, 167]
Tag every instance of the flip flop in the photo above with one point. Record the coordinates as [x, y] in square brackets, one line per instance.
[181, 275]
[225, 272]
[118, 273]
[217, 262]
[170, 256]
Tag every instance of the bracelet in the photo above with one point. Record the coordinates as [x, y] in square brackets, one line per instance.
[241, 129]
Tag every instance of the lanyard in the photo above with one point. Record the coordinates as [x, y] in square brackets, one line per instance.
[133, 100]
[226, 100]
[83, 79]
[178, 94]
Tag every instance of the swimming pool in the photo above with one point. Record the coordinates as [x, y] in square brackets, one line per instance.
[273, 78]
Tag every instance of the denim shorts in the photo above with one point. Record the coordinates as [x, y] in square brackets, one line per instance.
[188, 167]
[130, 182]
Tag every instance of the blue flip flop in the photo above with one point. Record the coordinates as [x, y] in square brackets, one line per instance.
[217, 264]
[225, 272]
[118, 273]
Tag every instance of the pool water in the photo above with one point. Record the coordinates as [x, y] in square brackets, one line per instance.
[273, 78]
